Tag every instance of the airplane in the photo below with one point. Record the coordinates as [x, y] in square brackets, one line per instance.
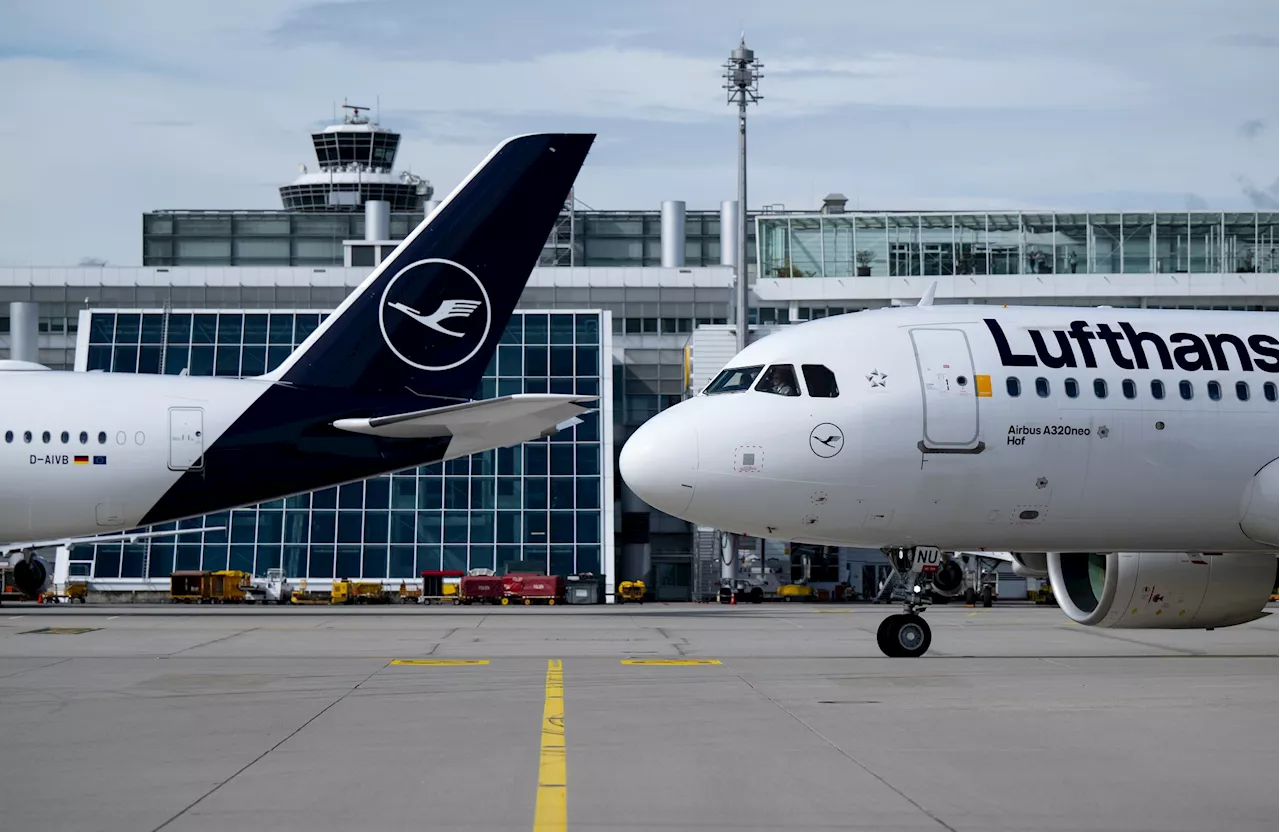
[1129, 455]
[367, 393]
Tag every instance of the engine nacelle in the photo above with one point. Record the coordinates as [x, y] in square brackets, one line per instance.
[949, 579]
[1161, 591]
[1259, 512]
[32, 577]
[1030, 564]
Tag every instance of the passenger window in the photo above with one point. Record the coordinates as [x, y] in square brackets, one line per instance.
[1100, 388]
[66, 437]
[780, 380]
[1184, 389]
[1013, 386]
[26, 436]
[1269, 391]
[1071, 387]
[1129, 389]
[84, 437]
[8, 436]
[1157, 388]
[820, 381]
[1215, 391]
[729, 381]
[102, 437]
[45, 437]
[1042, 387]
[1242, 391]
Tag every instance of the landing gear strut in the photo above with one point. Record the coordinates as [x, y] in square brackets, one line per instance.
[907, 634]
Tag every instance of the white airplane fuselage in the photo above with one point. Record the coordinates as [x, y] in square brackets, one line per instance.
[934, 450]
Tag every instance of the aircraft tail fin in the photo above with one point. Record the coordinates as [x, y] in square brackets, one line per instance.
[927, 298]
[427, 320]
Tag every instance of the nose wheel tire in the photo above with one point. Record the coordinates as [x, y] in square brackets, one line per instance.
[904, 636]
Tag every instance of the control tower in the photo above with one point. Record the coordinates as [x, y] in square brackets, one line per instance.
[355, 159]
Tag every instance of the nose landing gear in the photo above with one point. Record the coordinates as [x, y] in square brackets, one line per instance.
[907, 634]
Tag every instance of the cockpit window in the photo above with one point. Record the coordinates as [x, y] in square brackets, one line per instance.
[820, 381]
[780, 379]
[733, 380]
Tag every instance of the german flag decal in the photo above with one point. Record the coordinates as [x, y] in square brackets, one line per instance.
[82, 460]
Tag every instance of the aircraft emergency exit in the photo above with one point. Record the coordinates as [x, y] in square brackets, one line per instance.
[384, 384]
[1128, 454]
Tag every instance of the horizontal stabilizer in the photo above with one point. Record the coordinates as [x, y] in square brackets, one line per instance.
[479, 425]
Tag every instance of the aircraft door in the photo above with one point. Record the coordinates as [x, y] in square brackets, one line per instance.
[186, 439]
[948, 390]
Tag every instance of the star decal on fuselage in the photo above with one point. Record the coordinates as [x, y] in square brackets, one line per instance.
[877, 378]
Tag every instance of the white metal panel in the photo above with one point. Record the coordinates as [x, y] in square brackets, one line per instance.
[186, 438]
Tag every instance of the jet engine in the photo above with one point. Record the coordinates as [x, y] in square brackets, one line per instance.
[32, 577]
[949, 579]
[1258, 514]
[1161, 591]
[1030, 564]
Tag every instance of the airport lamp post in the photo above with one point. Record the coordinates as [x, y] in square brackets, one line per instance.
[742, 75]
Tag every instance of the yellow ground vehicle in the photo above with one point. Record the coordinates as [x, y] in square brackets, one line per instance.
[795, 592]
[227, 586]
[358, 592]
[630, 592]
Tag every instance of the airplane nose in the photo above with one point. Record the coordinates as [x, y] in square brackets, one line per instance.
[660, 463]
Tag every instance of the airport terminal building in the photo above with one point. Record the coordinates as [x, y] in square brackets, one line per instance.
[632, 306]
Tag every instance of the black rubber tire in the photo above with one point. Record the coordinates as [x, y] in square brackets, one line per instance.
[888, 645]
[970, 596]
[988, 596]
[901, 636]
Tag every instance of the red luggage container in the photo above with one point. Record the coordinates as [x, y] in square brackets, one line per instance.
[481, 589]
[542, 589]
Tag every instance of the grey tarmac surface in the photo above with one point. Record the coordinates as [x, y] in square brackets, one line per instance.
[203, 718]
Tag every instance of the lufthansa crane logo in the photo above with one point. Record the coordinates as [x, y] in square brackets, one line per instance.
[826, 440]
[435, 314]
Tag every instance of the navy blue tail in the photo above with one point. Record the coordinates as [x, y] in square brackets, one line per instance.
[427, 321]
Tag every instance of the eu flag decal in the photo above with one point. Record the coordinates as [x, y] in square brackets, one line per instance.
[99, 460]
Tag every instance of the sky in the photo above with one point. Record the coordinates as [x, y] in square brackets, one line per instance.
[119, 108]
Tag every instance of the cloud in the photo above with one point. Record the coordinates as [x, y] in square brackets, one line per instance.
[1195, 202]
[1252, 128]
[154, 104]
[1261, 198]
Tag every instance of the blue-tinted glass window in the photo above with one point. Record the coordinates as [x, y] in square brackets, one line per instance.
[201, 361]
[508, 493]
[458, 467]
[401, 562]
[588, 559]
[175, 359]
[280, 329]
[535, 385]
[187, 557]
[588, 327]
[588, 361]
[562, 459]
[588, 527]
[350, 527]
[99, 358]
[510, 386]
[204, 329]
[535, 492]
[323, 526]
[509, 460]
[508, 526]
[160, 563]
[348, 562]
[296, 526]
[512, 334]
[404, 492]
[588, 492]
[1215, 391]
[562, 527]
[254, 362]
[562, 329]
[102, 329]
[482, 527]
[428, 557]
[562, 492]
[561, 385]
[321, 562]
[131, 559]
[324, 498]
[179, 329]
[152, 328]
[587, 387]
[149, 360]
[455, 493]
[481, 492]
[230, 328]
[535, 459]
[506, 555]
[430, 492]
[351, 495]
[270, 527]
[454, 559]
[1071, 388]
[305, 324]
[295, 561]
[228, 362]
[562, 361]
[535, 361]
[588, 459]
[126, 360]
[403, 524]
[375, 562]
[561, 560]
[535, 329]
[482, 464]
[276, 356]
[456, 526]
[214, 558]
[535, 527]
[430, 528]
[589, 430]
[375, 526]
[240, 558]
[255, 329]
[481, 557]
[377, 492]
[128, 328]
[510, 361]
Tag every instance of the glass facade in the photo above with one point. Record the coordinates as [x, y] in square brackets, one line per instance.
[548, 502]
[901, 245]
[294, 238]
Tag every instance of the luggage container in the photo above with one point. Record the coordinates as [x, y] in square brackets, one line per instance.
[482, 589]
[228, 586]
[189, 587]
[440, 586]
[541, 589]
[585, 588]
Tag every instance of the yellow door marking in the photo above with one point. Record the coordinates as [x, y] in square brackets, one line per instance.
[551, 813]
[984, 385]
[440, 662]
[679, 662]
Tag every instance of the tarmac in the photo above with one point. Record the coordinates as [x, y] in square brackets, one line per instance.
[667, 717]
